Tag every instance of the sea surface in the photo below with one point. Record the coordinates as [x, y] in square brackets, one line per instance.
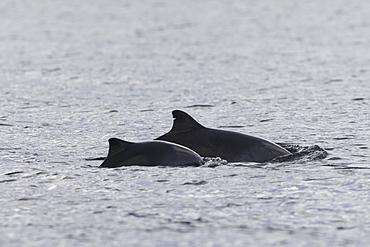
[75, 73]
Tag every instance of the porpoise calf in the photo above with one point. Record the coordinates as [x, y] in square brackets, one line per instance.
[152, 153]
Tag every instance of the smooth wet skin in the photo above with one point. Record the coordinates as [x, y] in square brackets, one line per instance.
[153, 153]
[232, 146]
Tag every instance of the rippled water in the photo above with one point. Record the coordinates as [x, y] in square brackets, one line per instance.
[75, 73]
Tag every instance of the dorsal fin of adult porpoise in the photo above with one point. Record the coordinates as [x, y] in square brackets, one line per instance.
[117, 145]
[183, 122]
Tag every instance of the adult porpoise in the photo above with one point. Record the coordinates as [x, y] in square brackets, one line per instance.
[152, 153]
[232, 146]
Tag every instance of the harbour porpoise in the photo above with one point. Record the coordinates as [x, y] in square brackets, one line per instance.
[228, 145]
[152, 153]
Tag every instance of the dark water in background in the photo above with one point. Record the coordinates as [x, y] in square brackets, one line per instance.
[75, 73]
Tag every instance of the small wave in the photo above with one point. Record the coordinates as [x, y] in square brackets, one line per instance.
[304, 153]
[213, 162]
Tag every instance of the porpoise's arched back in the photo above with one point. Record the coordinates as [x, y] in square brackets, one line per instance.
[232, 146]
[152, 153]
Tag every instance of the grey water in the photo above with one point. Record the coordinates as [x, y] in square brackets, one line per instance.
[75, 73]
